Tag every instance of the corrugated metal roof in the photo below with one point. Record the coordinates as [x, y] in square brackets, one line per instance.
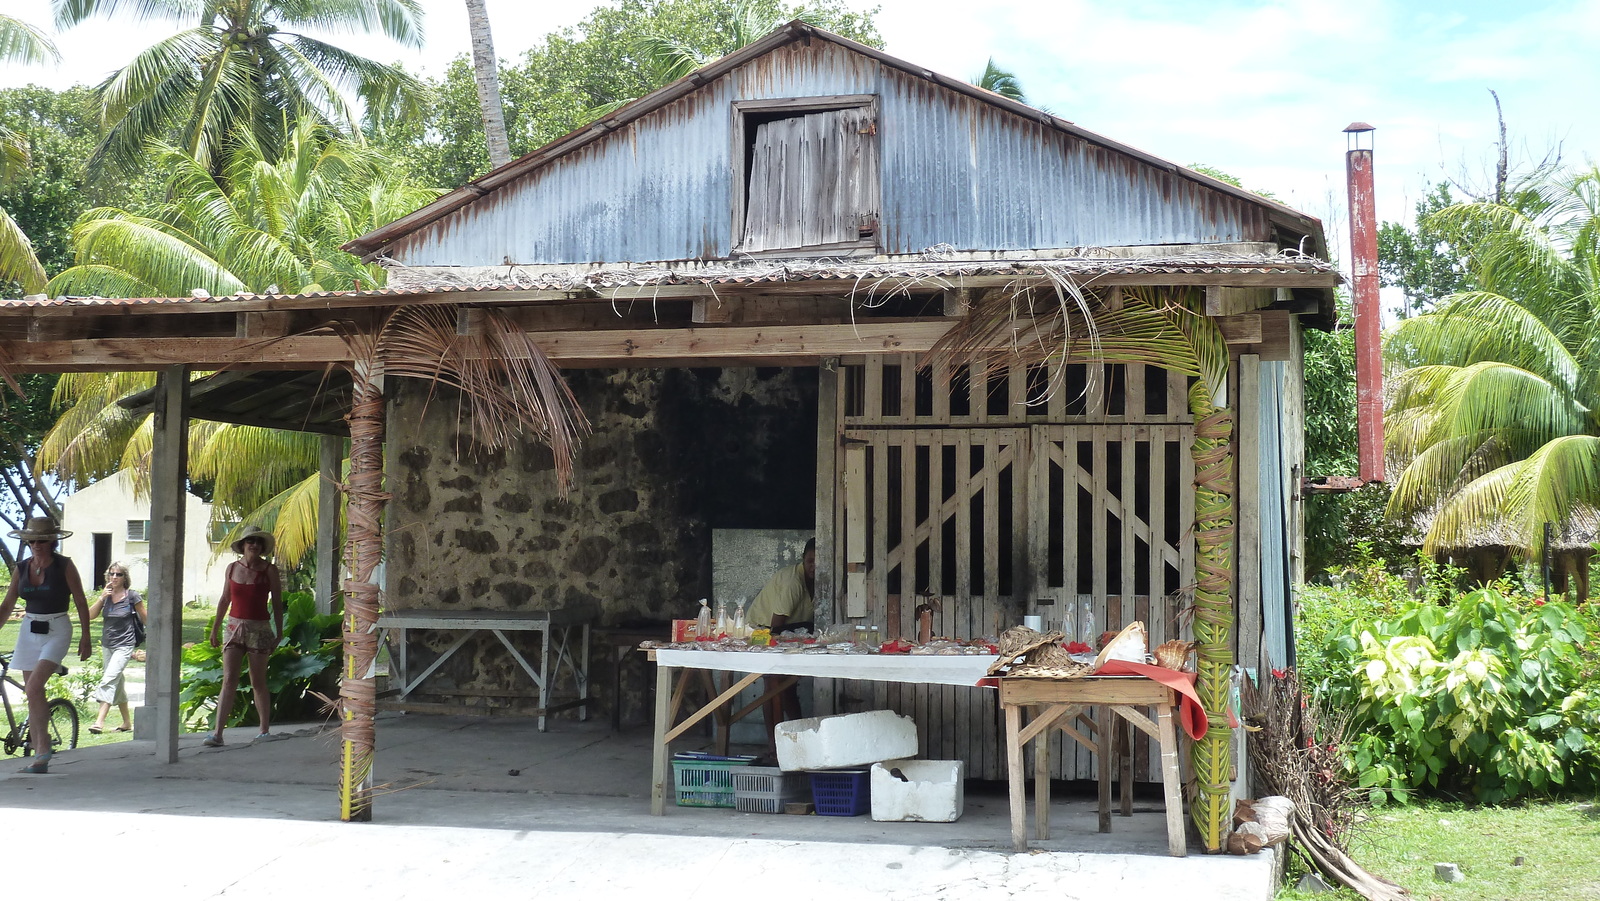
[960, 165]
[480, 285]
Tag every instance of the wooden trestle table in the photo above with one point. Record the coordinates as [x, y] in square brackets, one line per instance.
[1063, 700]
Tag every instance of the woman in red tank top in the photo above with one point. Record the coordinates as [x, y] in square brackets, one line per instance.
[251, 593]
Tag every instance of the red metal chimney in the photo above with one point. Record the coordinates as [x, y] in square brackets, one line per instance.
[1369, 316]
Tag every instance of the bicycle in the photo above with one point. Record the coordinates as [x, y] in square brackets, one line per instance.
[63, 724]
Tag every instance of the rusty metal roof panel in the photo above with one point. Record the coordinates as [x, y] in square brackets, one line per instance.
[959, 167]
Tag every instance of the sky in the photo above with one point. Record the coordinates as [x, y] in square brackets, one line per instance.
[1261, 90]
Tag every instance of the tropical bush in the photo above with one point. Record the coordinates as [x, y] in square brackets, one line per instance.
[1491, 697]
[309, 647]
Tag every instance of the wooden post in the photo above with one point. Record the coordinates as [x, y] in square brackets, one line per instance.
[169, 464]
[328, 522]
[363, 596]
[827, 512]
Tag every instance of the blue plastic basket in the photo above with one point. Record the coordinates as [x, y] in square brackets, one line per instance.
[841, 793]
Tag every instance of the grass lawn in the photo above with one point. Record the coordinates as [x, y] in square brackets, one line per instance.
[1558, 842]
[194, 630]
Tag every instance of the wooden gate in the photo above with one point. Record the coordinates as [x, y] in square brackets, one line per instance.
[994, 509]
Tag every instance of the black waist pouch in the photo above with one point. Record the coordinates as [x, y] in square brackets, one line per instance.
[39, 626]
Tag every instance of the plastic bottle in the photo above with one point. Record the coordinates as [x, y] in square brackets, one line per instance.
[702, 623]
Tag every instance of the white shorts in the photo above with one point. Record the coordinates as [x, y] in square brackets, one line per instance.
[33, 647]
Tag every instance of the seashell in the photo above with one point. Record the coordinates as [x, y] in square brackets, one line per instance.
[1174, 654]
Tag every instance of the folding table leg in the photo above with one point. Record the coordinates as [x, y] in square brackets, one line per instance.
[659, 764]
[1105, 725]
[1015, 776]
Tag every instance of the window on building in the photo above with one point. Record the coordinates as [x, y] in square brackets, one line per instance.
[809, 175]
[219, 530]
[138, 530]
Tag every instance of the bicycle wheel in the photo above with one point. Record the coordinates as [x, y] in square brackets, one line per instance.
[63, 724]
[63, 728]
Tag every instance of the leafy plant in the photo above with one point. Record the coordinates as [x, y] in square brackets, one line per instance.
[309, 647]
[1489, 696]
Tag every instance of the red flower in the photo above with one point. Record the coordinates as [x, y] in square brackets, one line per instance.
[1280, 673]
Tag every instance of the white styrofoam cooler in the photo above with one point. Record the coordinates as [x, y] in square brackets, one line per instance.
[851, 739]
[931, 791]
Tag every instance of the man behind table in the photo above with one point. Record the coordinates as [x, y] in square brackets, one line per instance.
[787, 601]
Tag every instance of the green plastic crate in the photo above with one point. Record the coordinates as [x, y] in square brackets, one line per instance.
[703, 780]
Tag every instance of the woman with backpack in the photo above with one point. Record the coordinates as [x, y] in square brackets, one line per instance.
[121, 631]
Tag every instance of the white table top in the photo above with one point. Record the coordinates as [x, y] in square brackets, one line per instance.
[478, 619]
[930, 669]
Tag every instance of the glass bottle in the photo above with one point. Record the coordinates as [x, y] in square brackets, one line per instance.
[702, 623]
[1087, 633]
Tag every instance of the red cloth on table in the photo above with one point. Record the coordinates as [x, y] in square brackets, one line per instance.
[1191, 713]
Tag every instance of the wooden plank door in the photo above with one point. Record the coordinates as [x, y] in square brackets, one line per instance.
[1110, 532]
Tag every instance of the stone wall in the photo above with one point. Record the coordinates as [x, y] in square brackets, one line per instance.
[674, 454]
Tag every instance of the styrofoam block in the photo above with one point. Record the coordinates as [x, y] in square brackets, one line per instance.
[930, 793]
[852, 739]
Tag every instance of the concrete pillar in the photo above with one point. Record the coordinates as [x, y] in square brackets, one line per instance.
[328, 563]
[169, 463]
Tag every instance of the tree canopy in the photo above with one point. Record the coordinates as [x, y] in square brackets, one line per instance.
[242, 69]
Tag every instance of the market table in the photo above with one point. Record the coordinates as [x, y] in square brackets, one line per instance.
[928, 669]
[552, 625]
[1063, 700]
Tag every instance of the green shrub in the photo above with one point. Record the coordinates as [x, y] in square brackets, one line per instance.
[1364, 592]
[310, 646]
[1489, 697]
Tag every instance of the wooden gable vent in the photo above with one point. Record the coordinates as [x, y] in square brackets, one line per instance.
[811, 176]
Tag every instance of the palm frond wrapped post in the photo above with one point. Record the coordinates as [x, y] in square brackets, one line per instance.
[1164, 327]
[508, 388]
[1213, 605]
[362, 597]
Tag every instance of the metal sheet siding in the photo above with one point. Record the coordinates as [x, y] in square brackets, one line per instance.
[955, 171]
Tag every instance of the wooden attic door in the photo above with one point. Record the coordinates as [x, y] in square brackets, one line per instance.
[991, 506]
[811, 179]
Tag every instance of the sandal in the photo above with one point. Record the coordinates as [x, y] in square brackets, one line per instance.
[40, 765]
[211, 741]
[120, 729]
[96, 730]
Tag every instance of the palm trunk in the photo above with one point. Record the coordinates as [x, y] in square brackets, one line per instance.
[1214, 616]
[486, 72]
[363, 549]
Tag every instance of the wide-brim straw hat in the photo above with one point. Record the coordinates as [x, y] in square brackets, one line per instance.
[40, 528]
[1017, 641]
[268, 542]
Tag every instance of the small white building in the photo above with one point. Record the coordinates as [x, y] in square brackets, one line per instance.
[109, 525]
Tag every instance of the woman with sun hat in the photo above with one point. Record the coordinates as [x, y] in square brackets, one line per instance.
[49, 586]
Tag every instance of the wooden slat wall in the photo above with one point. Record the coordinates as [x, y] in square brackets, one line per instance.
[1140, 560]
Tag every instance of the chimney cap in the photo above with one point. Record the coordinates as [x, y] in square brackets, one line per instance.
[1360, 126]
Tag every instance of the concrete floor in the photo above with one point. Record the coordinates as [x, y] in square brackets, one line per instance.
[492, 806]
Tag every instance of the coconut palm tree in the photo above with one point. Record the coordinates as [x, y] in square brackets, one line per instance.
[1495, 418]
[19, 43]
[1168, 328]
[486, 72]
[243, 68]
[278, 229]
